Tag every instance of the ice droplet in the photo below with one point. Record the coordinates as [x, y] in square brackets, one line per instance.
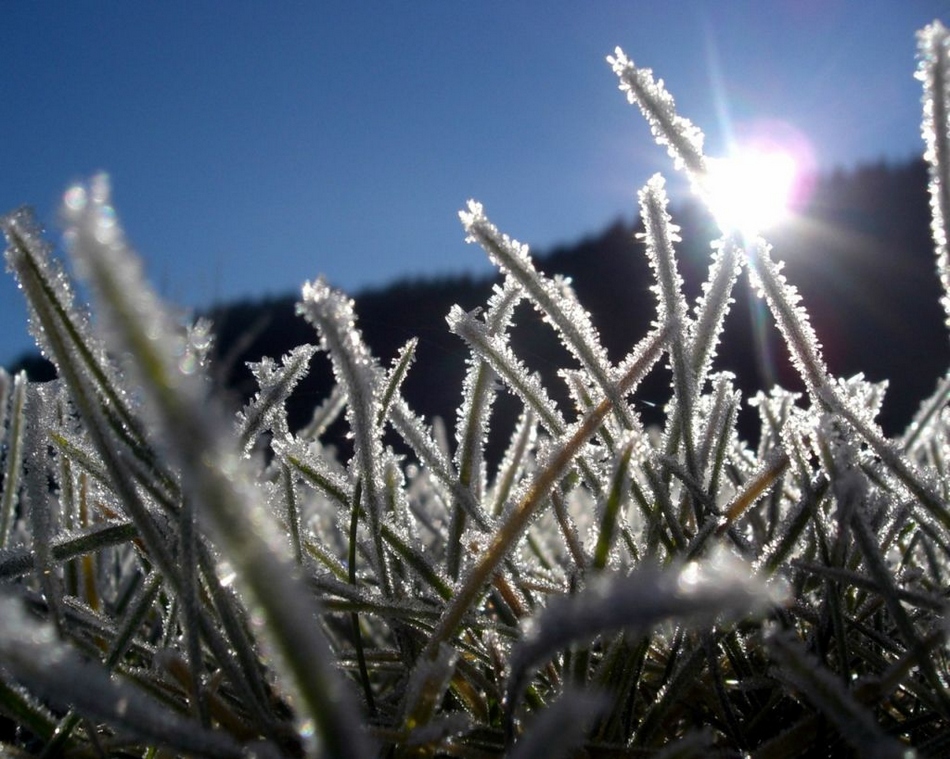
[75, 198]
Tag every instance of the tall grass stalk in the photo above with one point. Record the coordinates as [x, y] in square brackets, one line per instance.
[177, 578]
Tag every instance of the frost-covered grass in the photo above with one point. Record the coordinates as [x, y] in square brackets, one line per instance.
[178, 581]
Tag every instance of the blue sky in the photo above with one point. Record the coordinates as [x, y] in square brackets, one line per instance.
[253, 145]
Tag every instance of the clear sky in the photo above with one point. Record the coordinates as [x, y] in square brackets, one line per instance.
[253, 145]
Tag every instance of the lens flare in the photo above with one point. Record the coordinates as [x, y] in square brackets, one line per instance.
[766, 175]
[752, 190]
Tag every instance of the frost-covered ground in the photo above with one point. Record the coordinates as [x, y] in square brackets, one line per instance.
[180, 582]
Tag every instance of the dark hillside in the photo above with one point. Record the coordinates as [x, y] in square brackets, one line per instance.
[861, 257]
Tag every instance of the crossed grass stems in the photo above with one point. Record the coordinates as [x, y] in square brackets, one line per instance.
[607, 590]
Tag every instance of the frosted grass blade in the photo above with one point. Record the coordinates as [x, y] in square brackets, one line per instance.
[314, 470]
[188, 539]
[559, 730]
[423, 442]
[569, 532]
[128, 627]
[38, 499]
[683, 139]
[615, 497]
[549, 473]
[659, 235]
[917, 483]
[497, 354]
[713, 306]
[768, 473]
[395, 377]
[77, 365]
[324, 415]
[288, 489]
[479, 392]
[850, 488]
[214, 475]
[31, 652]
[419, 562]
[791, 318]
[266, 410]
[720, 587]
[428, 682]
[332, 315]
[793, 322]
[720, 422]
[933, 53]
[64, 547]
[826, 693]
[13, 456]
[18, 704]
[513, 463]
[554, 299]
[5, 389]
[63, 332]
[926, 416]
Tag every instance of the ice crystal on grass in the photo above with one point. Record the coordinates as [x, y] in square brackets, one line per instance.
[479, 391]
[791, 318]
[166, 593]
[13, 455]
[713, 305]
[31, 260]
[499, 356]
[682, 138]
[266, 411]
[556, 301]
[717, 587]
[933, 50]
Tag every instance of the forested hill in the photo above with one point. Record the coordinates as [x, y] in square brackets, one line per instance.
[861, 256]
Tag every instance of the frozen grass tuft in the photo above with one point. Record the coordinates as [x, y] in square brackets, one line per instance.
[177, 580]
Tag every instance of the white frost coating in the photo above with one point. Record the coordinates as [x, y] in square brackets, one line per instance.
[856, 724]
[660, 234]
[933, 53]
[682, 138]
[32, 653]
[553, 298]
[213, 475]
[332, 315]
[720, 586]
[131, 310]
[315, 468]
[479, 391]
[47, 285]
[13, 454]
[498, 354]
[790, 317]
[266, 410]
[516, 462]
[713, 305]
[396, 375]
[423, 440]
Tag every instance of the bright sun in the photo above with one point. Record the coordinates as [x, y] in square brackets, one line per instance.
[752, 190]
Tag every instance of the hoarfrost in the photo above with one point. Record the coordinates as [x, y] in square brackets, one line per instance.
[720, 586]
[266, 410]
[554, 299]
[791, 318]
[498, 354]
[933, 52]
[683, 139]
